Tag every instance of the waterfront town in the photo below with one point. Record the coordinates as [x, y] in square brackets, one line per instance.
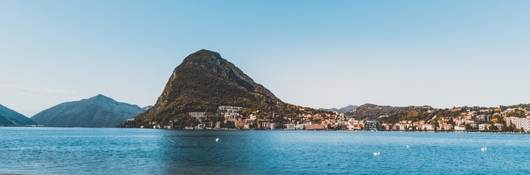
[365, 117]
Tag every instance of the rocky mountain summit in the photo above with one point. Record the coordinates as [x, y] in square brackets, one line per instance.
[203, 82]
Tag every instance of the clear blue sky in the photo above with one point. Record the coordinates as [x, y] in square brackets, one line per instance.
[312, 53]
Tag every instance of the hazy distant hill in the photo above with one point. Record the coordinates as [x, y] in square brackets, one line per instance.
[98, 111]
[346, 109]
[394, 113]
[147, 107]
[10, 117]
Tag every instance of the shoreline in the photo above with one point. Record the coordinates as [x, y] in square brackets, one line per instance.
[276, 130]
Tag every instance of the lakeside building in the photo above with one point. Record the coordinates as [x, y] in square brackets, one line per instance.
[459, 119]
[314, 127]
[483, 118]
[290, 126]
[427, 127]
[299, 126]
[484, 127]
[400, 127]
[263, 124]
[459, 128]
[386, 127]
[519, 123]
[274, 125]
[445, 127]
[200, 116]
[371, 125]
[473, 126]
[205, 119]
[230, 113]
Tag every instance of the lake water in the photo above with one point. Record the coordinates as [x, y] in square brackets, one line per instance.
[145, 151]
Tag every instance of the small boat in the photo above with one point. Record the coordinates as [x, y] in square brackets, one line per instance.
[377, 154]
[483, 149]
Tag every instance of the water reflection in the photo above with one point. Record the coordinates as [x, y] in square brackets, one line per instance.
[209, 152]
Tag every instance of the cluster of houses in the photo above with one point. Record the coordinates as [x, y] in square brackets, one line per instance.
[464, 119]
[499, 119]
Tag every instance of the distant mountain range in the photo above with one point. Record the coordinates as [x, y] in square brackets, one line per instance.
[9, 117]
[373, 112]
[346, 109]
[98, 111]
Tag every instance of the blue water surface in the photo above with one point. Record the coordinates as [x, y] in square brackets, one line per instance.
[147, 151]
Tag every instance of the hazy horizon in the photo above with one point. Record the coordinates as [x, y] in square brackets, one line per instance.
[318, 54]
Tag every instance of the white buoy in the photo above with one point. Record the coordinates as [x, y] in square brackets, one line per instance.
[483, 149]
[377, 154]
[217, 139]
[408, 147]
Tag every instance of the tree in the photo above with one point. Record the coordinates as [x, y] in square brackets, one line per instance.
[504, 128]
[451, 121]
[518, 130]
[511, 127]
[493, 128]
[469, 127]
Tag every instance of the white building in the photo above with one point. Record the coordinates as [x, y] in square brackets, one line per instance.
[232, 109]
[427, 127]
[290, 126]
[299, 126]
[198, 115]
[519, 123]
[400, 127]
[230, 113]
[483, 127]
[460, 128]
[353, 124]
[253, 117]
